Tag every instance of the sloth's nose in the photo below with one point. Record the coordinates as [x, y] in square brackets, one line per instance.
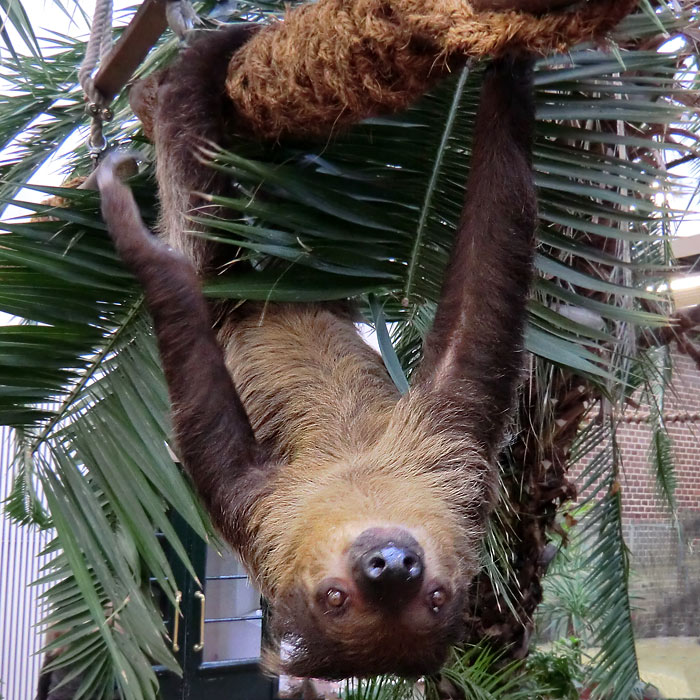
[392, 567]
[390, 572]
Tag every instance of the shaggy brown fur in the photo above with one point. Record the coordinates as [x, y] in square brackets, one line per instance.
[189, 105]
[307, 458]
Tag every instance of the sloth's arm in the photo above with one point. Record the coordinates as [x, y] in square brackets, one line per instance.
[214, 436]
[473, 352]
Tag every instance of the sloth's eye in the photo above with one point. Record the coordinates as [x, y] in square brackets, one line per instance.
[336, 598]
[437, 599]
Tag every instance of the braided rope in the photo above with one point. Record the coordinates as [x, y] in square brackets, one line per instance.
[336, 62]
[99, 44]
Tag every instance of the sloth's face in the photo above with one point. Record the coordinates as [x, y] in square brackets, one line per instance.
[367, 563]
[384, 603]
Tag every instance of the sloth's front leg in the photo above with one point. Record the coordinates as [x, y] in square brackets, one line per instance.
[214, 436]
[473, 354]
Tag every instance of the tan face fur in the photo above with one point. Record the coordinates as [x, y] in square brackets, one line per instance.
[306, 535]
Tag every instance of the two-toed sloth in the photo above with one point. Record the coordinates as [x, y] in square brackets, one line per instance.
[358, 511]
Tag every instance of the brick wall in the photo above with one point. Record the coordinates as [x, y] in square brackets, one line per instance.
[665, 576]
[665, 559]
[682, 415]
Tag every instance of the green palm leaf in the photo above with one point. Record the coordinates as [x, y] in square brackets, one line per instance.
[371, 212]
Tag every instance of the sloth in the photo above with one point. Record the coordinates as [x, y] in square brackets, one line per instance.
[358, 511]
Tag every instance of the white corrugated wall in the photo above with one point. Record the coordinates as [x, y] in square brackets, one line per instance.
[19, 613]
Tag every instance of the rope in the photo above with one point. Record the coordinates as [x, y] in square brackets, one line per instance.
[334, 62]
[181, 17]
[99, 44]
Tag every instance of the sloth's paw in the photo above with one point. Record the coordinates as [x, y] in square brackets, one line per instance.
[132, 238]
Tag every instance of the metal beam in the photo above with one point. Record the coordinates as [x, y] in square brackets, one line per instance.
[133, 46]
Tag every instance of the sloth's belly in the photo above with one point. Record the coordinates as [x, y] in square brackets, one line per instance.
[307, 379]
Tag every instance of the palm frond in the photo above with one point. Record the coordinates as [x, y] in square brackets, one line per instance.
[371, 212]
[476, 673]
[605, 560]
[83, 310]
[119, 488]
[657, 365]
[14, 14]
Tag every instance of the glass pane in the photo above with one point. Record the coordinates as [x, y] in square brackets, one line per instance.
[231, 598]
[233, 622]
[232, 641]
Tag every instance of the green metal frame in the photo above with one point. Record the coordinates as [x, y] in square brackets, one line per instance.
[219, 680]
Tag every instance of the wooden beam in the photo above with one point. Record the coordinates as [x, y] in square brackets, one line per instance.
[133, 46]
[683, 298]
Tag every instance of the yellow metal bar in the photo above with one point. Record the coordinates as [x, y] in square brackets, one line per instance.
[200, 645]
[176, 623]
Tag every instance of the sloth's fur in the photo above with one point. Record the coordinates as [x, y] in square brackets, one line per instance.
[288, 423]
[323, 404]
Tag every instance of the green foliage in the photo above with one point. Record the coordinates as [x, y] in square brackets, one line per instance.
[559, 670]
[661, 446]
[479, 674]
[371, 212]
[591, 600]
[85, 364]
[380, 688]
[565, 611]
